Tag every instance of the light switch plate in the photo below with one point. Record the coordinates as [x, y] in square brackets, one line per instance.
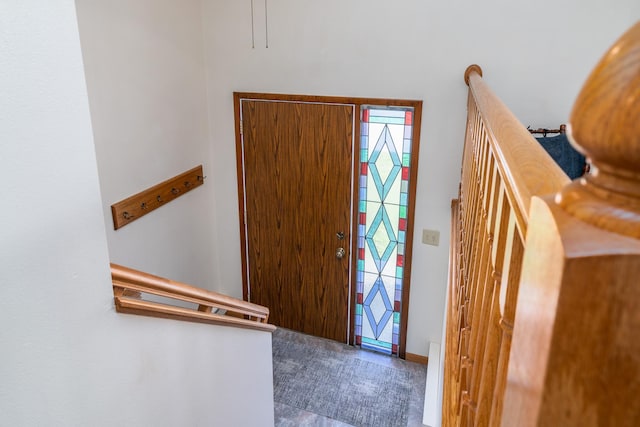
[431, 237]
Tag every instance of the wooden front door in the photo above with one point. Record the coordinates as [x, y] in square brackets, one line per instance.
[295, 174]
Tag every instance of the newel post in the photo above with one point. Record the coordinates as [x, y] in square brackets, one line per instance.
[575, 356]
[605, 126]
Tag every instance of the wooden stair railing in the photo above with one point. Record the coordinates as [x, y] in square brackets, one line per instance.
[208, 307]
[503, 167]
[566, 255]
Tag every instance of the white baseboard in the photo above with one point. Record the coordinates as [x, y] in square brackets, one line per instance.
[431, 395]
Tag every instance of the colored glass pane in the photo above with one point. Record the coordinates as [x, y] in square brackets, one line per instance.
[384, 173]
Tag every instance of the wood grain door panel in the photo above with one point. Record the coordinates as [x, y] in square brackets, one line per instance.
[297, 164]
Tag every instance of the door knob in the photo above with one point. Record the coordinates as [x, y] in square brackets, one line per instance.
[340, 253]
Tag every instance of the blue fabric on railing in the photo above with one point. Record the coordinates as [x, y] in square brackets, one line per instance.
[559, 148]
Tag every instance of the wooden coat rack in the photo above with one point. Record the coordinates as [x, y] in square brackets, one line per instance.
[138, 205]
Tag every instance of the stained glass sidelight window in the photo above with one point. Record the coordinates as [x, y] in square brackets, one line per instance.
[385, 149]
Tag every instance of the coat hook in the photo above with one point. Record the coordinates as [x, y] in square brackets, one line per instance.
[174, 190]
[127, 215]
[143, 205]
[201, 178]
[159, 199]
[187, 184]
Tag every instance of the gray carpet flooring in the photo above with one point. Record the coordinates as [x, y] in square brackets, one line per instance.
[318, 382]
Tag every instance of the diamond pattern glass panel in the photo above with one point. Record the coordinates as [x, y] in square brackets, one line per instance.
[385, 147]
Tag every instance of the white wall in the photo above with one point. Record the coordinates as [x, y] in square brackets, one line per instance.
[144, 64]
[67, 358]
[534, 54]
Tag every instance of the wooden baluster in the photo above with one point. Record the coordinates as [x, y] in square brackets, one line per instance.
[460, 330]
[465, 330]
[481, 273]
[486, 383]
[480, 206]
[477, 329]
[487, 276]
[581, 311]
[449, 386]
[508, 288]
[456, 334]
[473, 257]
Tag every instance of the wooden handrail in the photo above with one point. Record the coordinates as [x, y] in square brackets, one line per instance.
[503, 168]
[526, 167]
[129, 284]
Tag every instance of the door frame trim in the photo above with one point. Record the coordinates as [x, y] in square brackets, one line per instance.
[413, 174]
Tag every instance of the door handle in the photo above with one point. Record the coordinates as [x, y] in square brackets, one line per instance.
[340, 253]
